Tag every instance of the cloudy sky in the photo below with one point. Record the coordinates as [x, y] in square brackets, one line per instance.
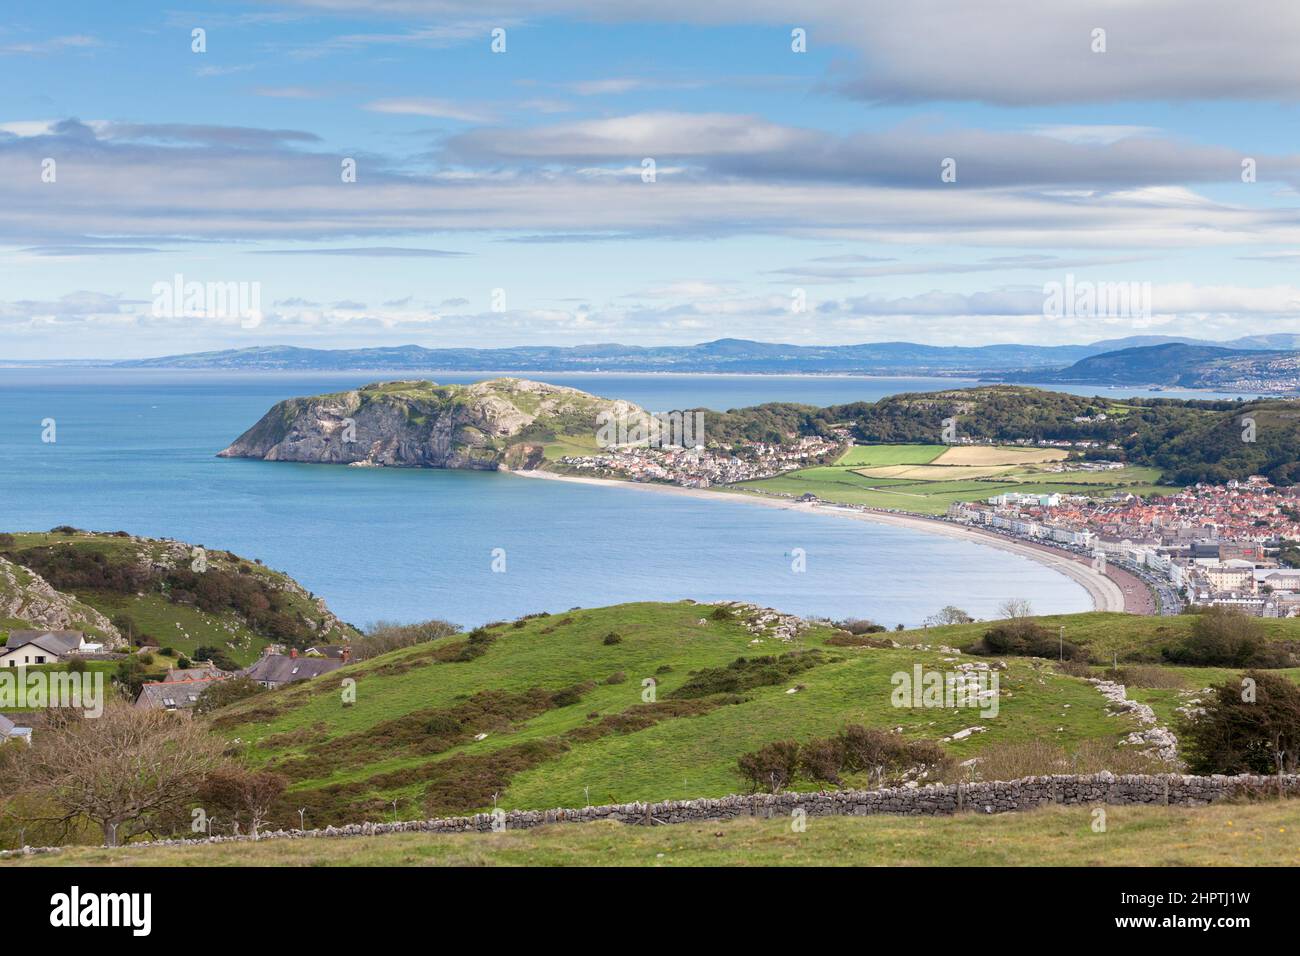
[647, 173]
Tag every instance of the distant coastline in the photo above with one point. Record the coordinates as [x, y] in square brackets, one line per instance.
[1106, 594]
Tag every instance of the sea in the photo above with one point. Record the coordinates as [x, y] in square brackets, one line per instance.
[134, 450]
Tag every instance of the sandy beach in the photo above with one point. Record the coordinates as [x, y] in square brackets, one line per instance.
[1105, 593]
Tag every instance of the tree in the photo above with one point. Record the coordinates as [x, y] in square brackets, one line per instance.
[124, 771]
[1251, 725]
[1015, 609]
[948, 615]
[237, 794]
[222, 692]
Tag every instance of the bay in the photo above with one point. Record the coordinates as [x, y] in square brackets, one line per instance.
[135, 451]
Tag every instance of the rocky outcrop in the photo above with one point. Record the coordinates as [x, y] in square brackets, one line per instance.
[27, 597]
[425, 425]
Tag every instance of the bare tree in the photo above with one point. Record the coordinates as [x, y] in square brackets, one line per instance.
[1015, 609]
[123, 771]
[949, 615]
[240, 793]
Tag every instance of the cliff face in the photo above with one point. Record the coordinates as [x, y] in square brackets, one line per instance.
[422, 424]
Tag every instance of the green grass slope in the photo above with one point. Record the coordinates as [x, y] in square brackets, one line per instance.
[549, 711]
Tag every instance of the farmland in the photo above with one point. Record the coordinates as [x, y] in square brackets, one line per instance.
[926, 479]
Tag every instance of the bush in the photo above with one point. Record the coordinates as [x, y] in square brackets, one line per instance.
[1245, 725]
[722, 614]
[612, 638]
[618, 677]
[566, 697]
[1225, 637]
[77, 666]
[1026, 639]
[845, 639]
[216, 655]
[183, 662]
[858, 626]
[822, 760]
[7, 540]
[771, 766]
[220, 693]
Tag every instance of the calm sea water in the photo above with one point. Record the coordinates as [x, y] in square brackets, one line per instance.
[135, 451]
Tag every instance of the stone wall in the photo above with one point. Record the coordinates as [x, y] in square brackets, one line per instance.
[932, 800]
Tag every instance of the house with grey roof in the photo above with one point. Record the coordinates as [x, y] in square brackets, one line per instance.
[12, 730]
[173, 694]
[276, 670]
[25, 648]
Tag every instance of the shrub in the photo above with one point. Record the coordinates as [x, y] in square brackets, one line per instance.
[1225, 637]
[566, 697]
[845, 639]
[1245, 726]
[7, 540]
[223, 692]
[822, 760]
[612, 638]
[183, 662]
[771, 766]
[1026, 639]
[859, 626]
[722, 614]
[618, 677]
[77, 666]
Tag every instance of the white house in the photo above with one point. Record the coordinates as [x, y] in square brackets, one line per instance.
[44, 647]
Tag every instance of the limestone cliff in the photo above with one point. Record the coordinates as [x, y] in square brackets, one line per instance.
[487, 425]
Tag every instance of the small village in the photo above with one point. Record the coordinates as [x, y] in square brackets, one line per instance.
[701, 466]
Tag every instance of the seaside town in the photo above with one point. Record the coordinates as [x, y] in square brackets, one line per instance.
[1223, 545]
[700, 466]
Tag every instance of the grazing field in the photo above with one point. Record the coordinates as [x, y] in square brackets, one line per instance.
[552, 710]
[926, 479]
[599, 740]
[1226, 834]
[858, 455]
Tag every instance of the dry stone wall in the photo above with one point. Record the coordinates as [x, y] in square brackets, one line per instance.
[932, 800]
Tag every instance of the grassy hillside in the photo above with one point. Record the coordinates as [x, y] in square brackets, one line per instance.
[559, 704]
[149, 587]
[1261, 834]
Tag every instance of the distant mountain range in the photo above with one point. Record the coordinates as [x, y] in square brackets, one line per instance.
[1181, 365]
[722, 355]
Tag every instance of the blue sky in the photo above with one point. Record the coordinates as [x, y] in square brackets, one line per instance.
[779, 176]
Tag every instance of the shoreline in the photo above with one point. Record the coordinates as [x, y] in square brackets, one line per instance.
[1105, 593]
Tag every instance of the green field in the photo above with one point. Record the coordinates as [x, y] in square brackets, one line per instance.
[840, 482]
[1258, 834]
[604, 744]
